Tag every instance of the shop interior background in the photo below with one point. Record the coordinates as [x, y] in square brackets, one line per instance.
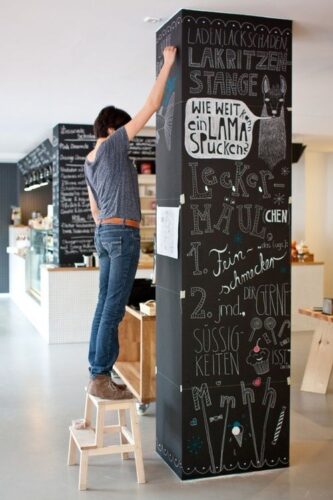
[63, 61]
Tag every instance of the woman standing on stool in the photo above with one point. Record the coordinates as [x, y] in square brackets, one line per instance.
[115, 206]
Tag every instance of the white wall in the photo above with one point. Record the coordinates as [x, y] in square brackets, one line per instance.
[298, 199]
[315, 210]
[312, 183]
[329, 227]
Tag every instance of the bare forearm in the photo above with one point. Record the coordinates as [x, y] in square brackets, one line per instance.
[156, 94]
[155, 97]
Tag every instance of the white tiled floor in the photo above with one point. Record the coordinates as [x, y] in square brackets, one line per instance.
[41, 391]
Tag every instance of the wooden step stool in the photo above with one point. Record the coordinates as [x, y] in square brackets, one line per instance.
[90, 440]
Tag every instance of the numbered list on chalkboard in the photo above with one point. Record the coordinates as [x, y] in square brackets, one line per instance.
[223, 307]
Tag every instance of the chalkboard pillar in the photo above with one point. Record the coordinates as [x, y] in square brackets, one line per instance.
[73, 226]
[223, 307]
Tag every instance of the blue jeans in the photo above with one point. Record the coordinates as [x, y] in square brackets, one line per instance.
[118, 248]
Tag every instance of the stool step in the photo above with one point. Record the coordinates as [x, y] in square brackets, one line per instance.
[118, 403]
[84, 438]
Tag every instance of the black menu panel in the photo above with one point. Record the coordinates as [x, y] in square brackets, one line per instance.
[224, 157]
[38, 158]
[142, 147]
[73, 226]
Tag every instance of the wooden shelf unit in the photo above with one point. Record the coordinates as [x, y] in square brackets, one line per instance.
[137, 354]
[147, 189]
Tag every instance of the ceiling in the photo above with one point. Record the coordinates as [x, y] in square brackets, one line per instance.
[62, 61]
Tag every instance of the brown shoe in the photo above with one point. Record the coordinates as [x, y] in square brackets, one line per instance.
[103, 387]
[122, 387]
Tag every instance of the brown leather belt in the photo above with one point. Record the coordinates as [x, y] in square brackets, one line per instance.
[119, 220]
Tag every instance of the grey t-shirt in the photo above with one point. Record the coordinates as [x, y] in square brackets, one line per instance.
[113, 179]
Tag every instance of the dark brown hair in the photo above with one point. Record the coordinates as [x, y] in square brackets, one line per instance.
[109, 117]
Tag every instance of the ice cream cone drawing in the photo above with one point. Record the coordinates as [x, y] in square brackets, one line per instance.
[227, 402]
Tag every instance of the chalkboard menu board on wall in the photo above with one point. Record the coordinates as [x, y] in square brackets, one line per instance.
[223, 307]
[142, 147]
[38, 158]
[73, 226]
[142, 151]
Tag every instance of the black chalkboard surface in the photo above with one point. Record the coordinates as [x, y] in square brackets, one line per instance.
[142, 147]
[223, 307]
[142, 151]
[39, 157]
[73, 226]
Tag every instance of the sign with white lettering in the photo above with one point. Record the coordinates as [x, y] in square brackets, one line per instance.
[218, 128]
[223, 307]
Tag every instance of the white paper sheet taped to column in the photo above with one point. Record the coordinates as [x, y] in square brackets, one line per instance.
[167, 231]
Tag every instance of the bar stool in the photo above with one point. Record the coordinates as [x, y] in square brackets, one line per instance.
[89, 439]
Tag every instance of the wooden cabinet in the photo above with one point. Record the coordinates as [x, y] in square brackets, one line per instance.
[137, 355]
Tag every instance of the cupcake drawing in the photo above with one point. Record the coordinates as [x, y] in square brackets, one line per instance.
[259, 359]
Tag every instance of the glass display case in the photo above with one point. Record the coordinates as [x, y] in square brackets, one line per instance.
[40, 252]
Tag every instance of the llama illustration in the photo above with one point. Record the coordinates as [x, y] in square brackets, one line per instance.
[272, 132]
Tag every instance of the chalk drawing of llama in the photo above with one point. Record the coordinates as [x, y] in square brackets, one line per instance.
[272, 132]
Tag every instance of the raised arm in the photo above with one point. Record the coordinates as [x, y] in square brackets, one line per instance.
[155, 97]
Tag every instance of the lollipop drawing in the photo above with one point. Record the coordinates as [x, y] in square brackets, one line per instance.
[259, 359]
[285, 328]
[270, 324]
[255, 324]
[279, 425]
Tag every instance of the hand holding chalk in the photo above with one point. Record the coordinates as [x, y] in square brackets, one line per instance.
[169, 54]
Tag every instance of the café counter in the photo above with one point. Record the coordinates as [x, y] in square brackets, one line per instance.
[67, 298]
[68, 295]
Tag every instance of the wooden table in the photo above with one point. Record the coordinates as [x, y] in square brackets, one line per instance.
[320, 361]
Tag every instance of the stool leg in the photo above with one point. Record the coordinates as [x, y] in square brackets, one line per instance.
[83, 472]
[71, 459]
[88, 411]
[123, 440]
[140, 472]
[100, 416]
